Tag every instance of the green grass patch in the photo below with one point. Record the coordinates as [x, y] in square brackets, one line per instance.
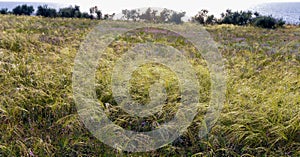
[261, 115]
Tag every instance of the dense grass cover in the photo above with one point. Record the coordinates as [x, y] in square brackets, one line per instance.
[261, 115]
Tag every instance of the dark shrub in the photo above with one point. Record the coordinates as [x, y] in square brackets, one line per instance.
[66, 12]
[46, 12]
[130, 14]
[200, 17]
[149, 15]
[4, 11]
[280, 23]
[85, 15]
[265, 22]
[164, 16]
[99, 14]
[95, 10]
[237, 18]
[23, 10]
[203, 18]
[210, 20]
[177, 17]
[70, 12]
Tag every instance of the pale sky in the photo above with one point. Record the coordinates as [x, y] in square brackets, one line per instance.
[190, 6]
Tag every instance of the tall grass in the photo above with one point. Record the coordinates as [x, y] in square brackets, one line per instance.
[261, 115]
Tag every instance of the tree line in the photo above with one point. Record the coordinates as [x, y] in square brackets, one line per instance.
[67, 12]
[241, 18]
[152, 15]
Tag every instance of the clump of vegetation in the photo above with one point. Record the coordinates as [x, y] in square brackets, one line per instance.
[4, 11]
[46, 12]
[131, 14]
[177, 17]
[95, 10]
[236, 18]
[267, 22]
[23, 10]
[70, 12]
[203, 18]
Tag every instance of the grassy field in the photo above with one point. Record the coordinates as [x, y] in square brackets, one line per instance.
[38, 116]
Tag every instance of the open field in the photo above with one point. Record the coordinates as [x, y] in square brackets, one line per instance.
[261, 114]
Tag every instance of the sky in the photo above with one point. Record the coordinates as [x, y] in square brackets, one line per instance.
[190, 6]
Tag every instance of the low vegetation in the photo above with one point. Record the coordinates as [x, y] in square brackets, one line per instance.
[261, 115]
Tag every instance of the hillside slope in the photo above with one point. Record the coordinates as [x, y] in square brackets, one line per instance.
[261, 115]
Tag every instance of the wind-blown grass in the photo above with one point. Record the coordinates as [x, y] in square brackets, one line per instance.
[261, 115]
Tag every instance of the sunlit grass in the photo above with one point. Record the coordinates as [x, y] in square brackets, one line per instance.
[261, 115]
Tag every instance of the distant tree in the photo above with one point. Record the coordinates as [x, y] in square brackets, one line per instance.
[66, 12]
[280, 23]
[126, 14]
[154, 18]
[210, 20]
[23, 10]
[105, 16]
[85, 15]
[149, 15]
[268, 22]
[256, 14]
[95, 10]
[227, 17]
[236, 18]
[99, 14]
[109, 17]
[152, 15]
[70, 12]
[200, 17]
[177, 17]
[4, 11]
[92, 12]
[77, 12]
[134, 14]
[46, 12]
[165, 15]
[131, 14]
[245, 17]
[203, 18]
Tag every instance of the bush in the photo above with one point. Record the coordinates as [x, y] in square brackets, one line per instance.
[46, 12]
[236, 18]
[131, 14]
[210, 20]
[70, 12]
[4, 11]
[268, 22]
[86, 15]
[99, 14]
[203, 18]
[265, 22]
[177, 17]
[23, 10]
[280, 23]
[200, 17]
[150, 15]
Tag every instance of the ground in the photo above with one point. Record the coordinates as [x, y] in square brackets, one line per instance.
[260, 117]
